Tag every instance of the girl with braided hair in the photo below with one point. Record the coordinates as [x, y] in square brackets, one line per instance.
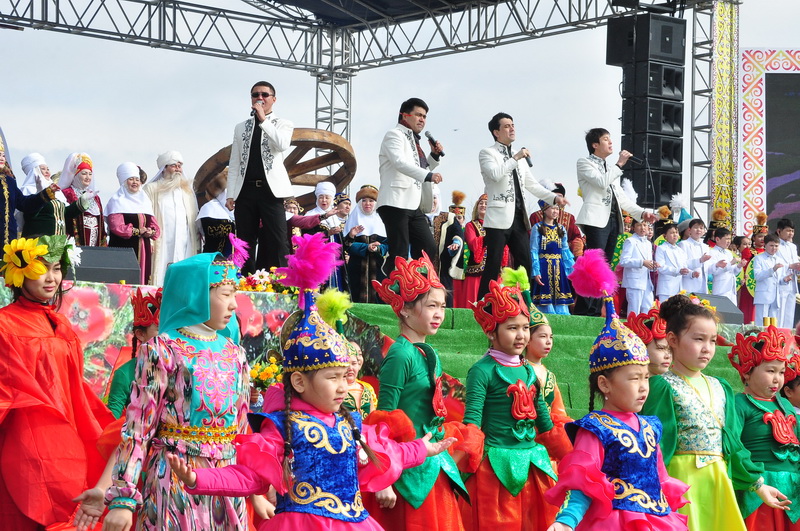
[316, 453]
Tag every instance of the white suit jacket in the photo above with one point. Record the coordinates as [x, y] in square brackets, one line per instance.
[724, 278]
[694, 251]
[400, 172]
[787, 254]
[276, 138]
[635, 251]
[767, 279]
[671, 260]
[597, 186]
[497, 169]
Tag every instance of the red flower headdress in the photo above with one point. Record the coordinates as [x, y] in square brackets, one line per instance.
[408, 281]
[751, 351]
[146, 307]
[648, 326]
[499, 305]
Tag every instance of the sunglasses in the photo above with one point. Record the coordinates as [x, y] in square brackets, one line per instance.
[257, 94]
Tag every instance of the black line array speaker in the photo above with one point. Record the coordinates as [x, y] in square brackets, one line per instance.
[661, 152]
[729, 313]
[108, 265]
[655, 188]
[652, 80]
[651, 115]
[646, 38]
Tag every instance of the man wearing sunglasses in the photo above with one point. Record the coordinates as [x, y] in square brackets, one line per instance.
[258, 181]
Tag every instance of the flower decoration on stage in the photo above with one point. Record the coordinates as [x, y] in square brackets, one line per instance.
[648, 326]
[92, 321]
[499, 305]
[616, 345]
[519, 277]
[266, 373]
[695, 299]
[409, 280]
[267, 282]
[146, 307]
[753, 349]
[21, 261]
[308, 342]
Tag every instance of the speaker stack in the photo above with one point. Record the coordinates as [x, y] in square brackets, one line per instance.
[651, 50]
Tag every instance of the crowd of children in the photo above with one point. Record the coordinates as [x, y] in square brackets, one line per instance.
[668, 447]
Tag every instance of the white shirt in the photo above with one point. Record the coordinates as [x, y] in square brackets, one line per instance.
[671, 259]
[635, 251]
[724, 277]
[694, 250]
[787, 255]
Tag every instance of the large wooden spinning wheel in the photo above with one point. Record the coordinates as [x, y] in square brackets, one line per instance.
[212, 177]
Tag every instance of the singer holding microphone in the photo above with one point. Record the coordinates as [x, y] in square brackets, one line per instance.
[403, 169]
[506, 222]
[258, 181]
[600, 217]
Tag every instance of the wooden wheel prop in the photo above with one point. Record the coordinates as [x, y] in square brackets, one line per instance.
[335, 150]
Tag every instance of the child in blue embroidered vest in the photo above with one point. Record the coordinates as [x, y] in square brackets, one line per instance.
[701, 439]
[769, 425]
[615, 476]
[551, 262]
[306, 446]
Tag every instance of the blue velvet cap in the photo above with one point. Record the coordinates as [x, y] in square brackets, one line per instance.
[309, 343]
[616, 345]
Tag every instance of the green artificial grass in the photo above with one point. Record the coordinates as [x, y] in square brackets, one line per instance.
[461, 342]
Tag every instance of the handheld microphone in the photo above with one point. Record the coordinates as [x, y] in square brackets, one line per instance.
[253, 111]
[528, 159]
[636, 160]
[433, 141]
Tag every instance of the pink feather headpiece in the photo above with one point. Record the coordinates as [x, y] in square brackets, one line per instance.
[239, 248]
[592, 276]
[311, 264]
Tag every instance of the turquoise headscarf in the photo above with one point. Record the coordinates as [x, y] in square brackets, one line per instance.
[185, 299]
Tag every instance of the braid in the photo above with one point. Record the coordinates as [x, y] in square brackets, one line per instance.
[345, 413]
[288, 453]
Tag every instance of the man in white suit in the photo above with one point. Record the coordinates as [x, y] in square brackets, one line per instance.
[506, 221]
[768, 272]
[403, 169]
[600, 217]
[787, 288]
[258, 181]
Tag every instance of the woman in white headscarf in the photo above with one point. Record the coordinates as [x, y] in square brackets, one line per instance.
[216, 223]
[365, 242]
[50, 219]
[131, 222]
[77, 182]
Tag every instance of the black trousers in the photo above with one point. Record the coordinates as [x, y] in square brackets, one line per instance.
[261, 222]
[604, 238]
[519, 247]
[406, 229]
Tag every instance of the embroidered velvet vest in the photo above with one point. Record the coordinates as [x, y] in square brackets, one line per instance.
[325, 468]
[631, 461]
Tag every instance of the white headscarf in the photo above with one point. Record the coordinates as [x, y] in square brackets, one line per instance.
[325, 188]
[164, 160]
[35, 182]
[68, 180]
[124, 201]
[216, 208]
[372, 223]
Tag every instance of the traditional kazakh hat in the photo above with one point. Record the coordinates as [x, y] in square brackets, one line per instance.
[457, 208]
[293, 201]
[720, 219]
[616, 345]
[499, 305]
[760, 226]
[557, 188]
[341, 197]
[483, 197]
[753, 349]
[146, 307]
[367, 190]
[519, 278]
[308, 342]
[648, 326]
[21, 257]
[409, 280]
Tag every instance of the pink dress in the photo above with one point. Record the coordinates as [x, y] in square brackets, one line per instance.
[260, 458]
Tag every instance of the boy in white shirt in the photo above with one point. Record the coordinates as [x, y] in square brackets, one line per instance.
[767, 270]
[697, 255]
[724, 265]
[636, 261]
[787, 287]
[671, 261]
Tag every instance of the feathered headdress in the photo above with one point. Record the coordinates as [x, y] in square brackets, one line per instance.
[239, 248]
[754, 349]
[616, 345]
[761, 224]
[458, 198]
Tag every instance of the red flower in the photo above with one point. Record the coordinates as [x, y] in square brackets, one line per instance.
[274, 320]
[251, 322]
[90, 320]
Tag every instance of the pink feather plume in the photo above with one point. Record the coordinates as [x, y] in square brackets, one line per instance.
[312, 262]
[239, 248]
[592, 276]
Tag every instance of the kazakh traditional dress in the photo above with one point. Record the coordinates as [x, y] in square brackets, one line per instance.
[364, 265]
[11, 199]
[88, 226]
[366, 397]
[552, 261]
[702, 447]
[769, 432]
[189, 397]
[50, 419]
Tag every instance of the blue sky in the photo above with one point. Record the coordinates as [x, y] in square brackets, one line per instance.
[65, 93]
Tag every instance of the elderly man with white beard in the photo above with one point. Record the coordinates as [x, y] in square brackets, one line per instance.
[175, 208]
